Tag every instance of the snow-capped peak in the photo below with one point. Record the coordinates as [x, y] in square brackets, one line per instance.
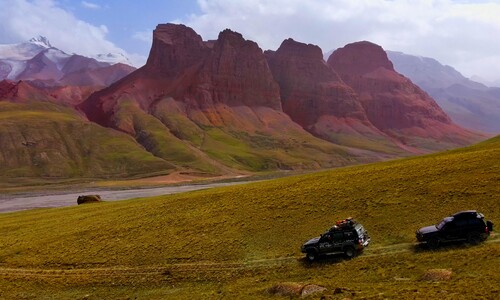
[41, 41]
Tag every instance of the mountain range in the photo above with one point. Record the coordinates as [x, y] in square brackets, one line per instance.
[469, 103]
[37, 60]
[218, 107]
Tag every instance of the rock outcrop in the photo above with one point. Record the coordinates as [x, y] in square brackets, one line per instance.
[88, 199]
[238, 75]
[393, 103]
[219, 96]
[295, 289]
[314, 96]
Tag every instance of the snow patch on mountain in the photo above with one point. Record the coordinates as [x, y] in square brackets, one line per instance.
[41, 41]
[112, 58]
[57, 56]
[16, 68]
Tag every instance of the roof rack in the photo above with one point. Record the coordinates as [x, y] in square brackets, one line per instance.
[346, 223]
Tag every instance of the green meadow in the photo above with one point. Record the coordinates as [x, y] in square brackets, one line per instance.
[241, 241]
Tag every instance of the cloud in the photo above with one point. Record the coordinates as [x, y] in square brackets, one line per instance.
[21, 20]
[459, 33]
[90, 5]
[144, 36]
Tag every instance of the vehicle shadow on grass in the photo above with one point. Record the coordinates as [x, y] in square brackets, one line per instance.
[323, 260]
[452, 245]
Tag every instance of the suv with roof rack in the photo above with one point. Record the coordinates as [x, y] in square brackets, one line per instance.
[346, 236]
[466, 225]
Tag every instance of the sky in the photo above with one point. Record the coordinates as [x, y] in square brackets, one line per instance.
[464, 34]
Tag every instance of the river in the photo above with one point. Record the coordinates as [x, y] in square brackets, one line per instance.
[10, 203]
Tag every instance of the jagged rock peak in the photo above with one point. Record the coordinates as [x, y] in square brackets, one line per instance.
[234, 38]
[41, 40]
[175, 47]
[229, 33]
[173, 33]
[294, 48]
[360, 58]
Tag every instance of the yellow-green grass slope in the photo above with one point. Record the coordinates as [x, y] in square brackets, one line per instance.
[243, 142]
[43, 139]
[239, 241]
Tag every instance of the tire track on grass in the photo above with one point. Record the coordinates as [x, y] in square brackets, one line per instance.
[196, 266]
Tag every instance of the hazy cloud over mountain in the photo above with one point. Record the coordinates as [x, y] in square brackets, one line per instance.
[462, 33]
[22, 19]
[459, 33]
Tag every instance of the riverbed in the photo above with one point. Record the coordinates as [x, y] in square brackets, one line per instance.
[46, 200]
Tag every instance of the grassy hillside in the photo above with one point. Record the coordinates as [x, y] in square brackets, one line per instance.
[253, 140]
[48, 140]
[239, 241]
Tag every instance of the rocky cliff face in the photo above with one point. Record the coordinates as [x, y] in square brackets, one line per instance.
[314, 96]
[219, 96]
[236, 74]
[175, 48]
[309, 87]
[230, 70]
[392, 102]
[202, 76]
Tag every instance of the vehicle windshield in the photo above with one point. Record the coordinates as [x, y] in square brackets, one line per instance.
[441, 224]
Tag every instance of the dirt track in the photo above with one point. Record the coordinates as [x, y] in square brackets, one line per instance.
[198, 267]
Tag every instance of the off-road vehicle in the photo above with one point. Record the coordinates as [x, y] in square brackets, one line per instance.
[346, 236]
[466, 225]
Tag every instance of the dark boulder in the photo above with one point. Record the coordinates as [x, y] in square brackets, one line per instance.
[88, 199]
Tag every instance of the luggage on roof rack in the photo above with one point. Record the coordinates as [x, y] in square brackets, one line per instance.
[343, 224]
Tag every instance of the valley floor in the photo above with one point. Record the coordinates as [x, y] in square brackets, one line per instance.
[243, 242]
[393, 271]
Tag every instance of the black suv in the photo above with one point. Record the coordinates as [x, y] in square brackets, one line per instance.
[466, 225]
[346, 236]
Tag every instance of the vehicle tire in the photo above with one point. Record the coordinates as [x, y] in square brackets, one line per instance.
[473, 238]
[433, 243]
[311, 256]
[349, 252]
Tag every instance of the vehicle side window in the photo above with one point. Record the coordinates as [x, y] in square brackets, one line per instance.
[475, 222]
[327, 237]
[349, 234]
[337, 235]
[449, 226]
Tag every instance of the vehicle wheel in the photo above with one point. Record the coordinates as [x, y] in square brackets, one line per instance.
[311, 256]
[433, 243]
[350, 252]
[473, 238]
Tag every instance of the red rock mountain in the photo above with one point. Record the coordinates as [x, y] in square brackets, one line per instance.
[220, 107]
[30, 92]
[201, 76]
[315, 96]
[216, 99]
[393, 103]
[22, 92]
